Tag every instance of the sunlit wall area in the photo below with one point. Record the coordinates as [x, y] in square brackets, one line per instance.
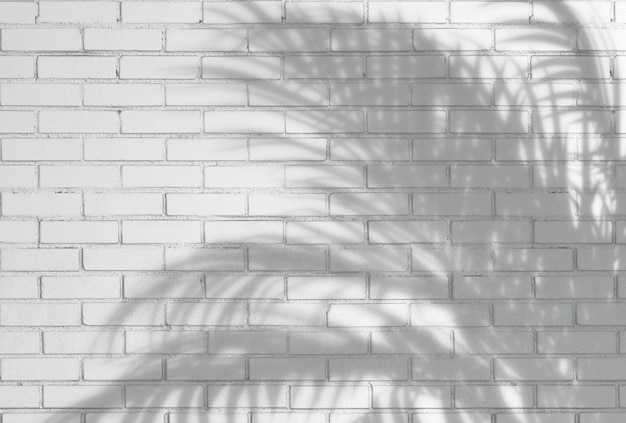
[284, 211]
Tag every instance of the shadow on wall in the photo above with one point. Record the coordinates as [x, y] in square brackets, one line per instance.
[370, 328]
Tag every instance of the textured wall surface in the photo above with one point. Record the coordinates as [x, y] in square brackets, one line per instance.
[308, 212]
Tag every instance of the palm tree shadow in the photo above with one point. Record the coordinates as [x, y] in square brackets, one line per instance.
[400, 306]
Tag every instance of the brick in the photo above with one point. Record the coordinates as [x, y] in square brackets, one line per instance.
[465, 368]
[42, 314]
[415, 341]
[368, 369]
[101, 149]
[601, 258]
[267, 149]
[287, 314]
[449, 315]
[221, 12]
[328, 342]
[574, 287]
[369, 94]
[40, 39]
[27, 342]
[369, 204]
[211, 314]
[18, 177]
[489, 176]
[489, 12]
[244, 176]
[205, 204]
[576, 342]
[287, 204]
[40, 369]
[238, 286]
[576, 396]
[41, 204]
[324, 232]
[535, 204]
[244, 121]
[533, 369]
[123, 258]
[243, 231]
[161, 12]
[288, 94]
[241, 67]
[14, 12]
[144, 396]
[404, 396]
[490, 287]
[80, 287]
[323, 12]
[205, 94]
[327, 121]
[35, 259]
[405, 66]
[450, 259]
[489, 341]
[463, 417]
[535, 39]
[536, 93]
[20, 397]
[266, 396]
[408, 287]
[77, 12]
[83, 342]
[19, 287]
[125, 39]
[600, 314]
[286, 258]
[161, 176]
[402, 121]
[82, 176]
[159, 232]
[163, 286]
[78, 121]
[248, 342]
[407, 12]
[369, 417]
[185, 368]
[600, 368]
[570, 12]
[367, 315]
[599, 94]
[493, 397]
[452, 39]
[600, 417]
[513, 122]
[19, 122]
[72, 67]
[573, 232]
[369, 258]
[123, 95]
[451, 94]
[324, 176]
[107, 204]
[40, 94]
[572, 67]
[544, 149]
[556, 176]
[203, 259]
[385, 176]
[165, 342]
[126, 417]
[287, 369]
[160, 122]
[492, 66]
[206, 149]
[353, 396]
[371, 40]
[369, 149]
[602, 38]
[17, 66]
[325, 287]
[118, 314]
[491, 232]
[571, 121]
[533, 314]
[287, 39]
[206, 40]
[335, 66]
[453, 204]
[158, 67]
[407, 231]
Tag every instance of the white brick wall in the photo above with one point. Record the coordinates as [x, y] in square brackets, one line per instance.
[278, 211]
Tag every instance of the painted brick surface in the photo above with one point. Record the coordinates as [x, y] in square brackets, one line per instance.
[255, 211]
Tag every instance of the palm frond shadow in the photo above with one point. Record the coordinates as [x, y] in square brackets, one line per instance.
[235, 346]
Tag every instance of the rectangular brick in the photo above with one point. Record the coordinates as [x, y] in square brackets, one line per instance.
[18, 94]
[79, 176]
[576, 396]
[325, 287]
[245, 12]
[71, 67]
[123, 258]
[125, 39]
[463, 368]
[248, 342]
[107, 204]
[485, 176]
[82, 342]
[327, 121]
[544, 149]
[449, 315]
[244, 177]
[328, 342]
[491, 287]
[407, 12]
[399, 231]
[40, 369]
[14, 12]
[325, 232]
[572, 121]
[367, 315]
[491, 232]
[324, 12]
[165, 342]
[405, 66]
[39, 259]
[268, 149]
[450, 259]
[77, 12]
[14, 342]
[573, 232]
[490, 12]
[204, 259]
[185, 368]
[40, 39]
[104, 149]
[494, 397]
[286, 258]
[122, 368]
[19, 287]
[241, 67]
[123, 94]
[534, 94]
[17, 66]
[287, 369]
[375, 258]
[371, 40]
[368, 369]
[533, 369]
[288, 39]
[492, 66]
[452, 39]
[80, 287]
[533, 314]
[354, 396]
[415, 341]
[535, 259]
[240, 231]
[412, 176]
[158, 67]
[161, 176]
[474, 94]
[570, 342]
[205, 94]
[256, 396]
[465, 121]
[324, 67]
[403, 121]
[78, 121]
[238, 286]
[535, 204]
[18, 177]
[118, 314]
[601, 258]
[20, 397]
[43, 314]
[287, 204]
[161, 232]
[206, 149]
[369, 204]
[457, 204]
[162, 12]
[597, 314]
[205, 204]
[369, 94]
[209, 314]
[535, 39]
[408, 287]
[405, 396]
[489, 341]
[244, 121]
[206, 40]
[18, 122]
[144, 396]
